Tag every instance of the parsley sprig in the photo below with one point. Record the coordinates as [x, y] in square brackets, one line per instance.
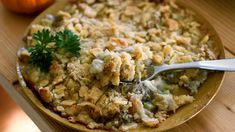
[68, 41]
[41, 55]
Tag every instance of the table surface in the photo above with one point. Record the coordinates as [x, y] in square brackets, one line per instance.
[219, 115]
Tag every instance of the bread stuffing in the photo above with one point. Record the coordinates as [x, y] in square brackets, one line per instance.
[77, 59]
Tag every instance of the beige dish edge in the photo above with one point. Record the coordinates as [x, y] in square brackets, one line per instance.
[203, 97]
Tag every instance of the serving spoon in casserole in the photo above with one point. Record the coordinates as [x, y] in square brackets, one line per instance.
[215, 65]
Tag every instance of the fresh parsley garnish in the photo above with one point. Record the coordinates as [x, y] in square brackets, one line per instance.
[43, 37]
[68, 41]
[41, 55]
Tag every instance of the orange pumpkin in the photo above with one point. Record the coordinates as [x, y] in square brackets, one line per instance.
[26, 6]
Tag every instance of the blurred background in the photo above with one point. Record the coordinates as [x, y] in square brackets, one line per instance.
[12, 117]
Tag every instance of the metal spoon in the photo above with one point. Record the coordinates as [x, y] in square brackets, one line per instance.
[216, 65]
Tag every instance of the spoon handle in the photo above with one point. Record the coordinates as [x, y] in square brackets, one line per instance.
[218, 65]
